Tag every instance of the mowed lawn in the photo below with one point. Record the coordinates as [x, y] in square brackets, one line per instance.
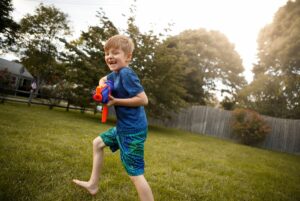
[42, 150]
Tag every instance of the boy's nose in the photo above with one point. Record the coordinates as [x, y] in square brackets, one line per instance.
[109, 56]
[109, 59]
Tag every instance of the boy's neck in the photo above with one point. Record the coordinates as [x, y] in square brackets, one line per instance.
[117, 71]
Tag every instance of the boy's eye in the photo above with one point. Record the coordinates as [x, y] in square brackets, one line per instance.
[115, 52]
[112, 52]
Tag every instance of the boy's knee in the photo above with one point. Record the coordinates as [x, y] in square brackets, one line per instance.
[136, 179]
[98, 143]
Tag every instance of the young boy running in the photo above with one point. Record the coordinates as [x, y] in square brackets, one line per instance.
[129, 135]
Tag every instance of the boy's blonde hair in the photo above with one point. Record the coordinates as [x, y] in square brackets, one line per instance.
[120, 41]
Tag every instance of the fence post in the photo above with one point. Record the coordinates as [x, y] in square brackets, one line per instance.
[68, 105]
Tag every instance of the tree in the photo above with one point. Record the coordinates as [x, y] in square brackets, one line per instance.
[276, 86]
[208, 62]
[8, 27]
[163, 82]
[160, 75]
[84, 61]
[227, 103]
[39, 43]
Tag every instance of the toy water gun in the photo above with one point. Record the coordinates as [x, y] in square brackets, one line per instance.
[102, 96]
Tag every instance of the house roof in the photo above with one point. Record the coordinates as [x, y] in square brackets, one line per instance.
[15, 68]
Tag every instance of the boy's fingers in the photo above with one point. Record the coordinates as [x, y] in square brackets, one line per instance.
[110, 103]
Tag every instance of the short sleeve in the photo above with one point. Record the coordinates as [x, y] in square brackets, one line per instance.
[110, 76]
[131, 82]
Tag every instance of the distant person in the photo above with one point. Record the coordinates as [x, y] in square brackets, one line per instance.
[32, 91]
[33, 87]
[129, 135]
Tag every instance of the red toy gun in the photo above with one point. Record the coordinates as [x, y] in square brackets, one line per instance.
[102, 96]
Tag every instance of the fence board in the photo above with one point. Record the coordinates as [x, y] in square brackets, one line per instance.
[284, 135]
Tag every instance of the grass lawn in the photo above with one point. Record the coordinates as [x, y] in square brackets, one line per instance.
[42, 150]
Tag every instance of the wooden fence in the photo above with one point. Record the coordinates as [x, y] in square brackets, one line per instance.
[284, 136]
[45, 102]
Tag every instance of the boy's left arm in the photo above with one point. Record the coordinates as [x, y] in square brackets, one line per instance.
[140, 99]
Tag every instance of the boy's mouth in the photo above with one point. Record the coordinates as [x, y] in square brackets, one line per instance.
[111, 62]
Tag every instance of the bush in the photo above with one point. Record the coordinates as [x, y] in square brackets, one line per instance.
[228, 103]
[249, 126]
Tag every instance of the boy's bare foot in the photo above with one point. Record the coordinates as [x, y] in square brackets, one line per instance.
[91, 189]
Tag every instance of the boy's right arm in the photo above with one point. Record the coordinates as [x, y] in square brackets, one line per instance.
[102, 81]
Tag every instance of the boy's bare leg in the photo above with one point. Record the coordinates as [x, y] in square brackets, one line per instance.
[92, 185]
[142, 187]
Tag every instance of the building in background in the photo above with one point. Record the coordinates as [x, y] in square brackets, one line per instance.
[19, 78]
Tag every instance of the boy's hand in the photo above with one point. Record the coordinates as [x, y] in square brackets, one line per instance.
[102, 81]
[112, 101]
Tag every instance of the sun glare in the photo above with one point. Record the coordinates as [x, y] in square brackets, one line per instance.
[239, 20]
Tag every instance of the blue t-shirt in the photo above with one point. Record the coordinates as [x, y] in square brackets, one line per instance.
[127, 85]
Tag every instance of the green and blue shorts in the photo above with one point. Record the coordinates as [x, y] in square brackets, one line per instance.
[131, 149]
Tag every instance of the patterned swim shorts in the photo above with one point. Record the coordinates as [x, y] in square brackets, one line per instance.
[131, 149]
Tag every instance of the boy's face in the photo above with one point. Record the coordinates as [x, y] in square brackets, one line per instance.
[116, 59]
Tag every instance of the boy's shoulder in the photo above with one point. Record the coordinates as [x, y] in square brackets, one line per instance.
[123, 73]
[126, 70]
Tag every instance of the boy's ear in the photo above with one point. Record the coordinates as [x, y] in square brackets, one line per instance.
[129, 57]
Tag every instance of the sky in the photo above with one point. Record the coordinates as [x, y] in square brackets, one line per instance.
[239, 20]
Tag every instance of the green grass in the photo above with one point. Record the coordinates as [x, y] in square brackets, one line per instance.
[42, 150]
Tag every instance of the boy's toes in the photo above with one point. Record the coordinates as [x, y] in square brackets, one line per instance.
[91, 189]
[76, 181]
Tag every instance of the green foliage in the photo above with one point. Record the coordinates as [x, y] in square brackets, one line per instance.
[166, 91]
[265, 95]
[85, 65]
[4, 78]
[8, 27]
[249, 126]
[207, 59]
[173, 71]
[83, 62]
[276, 86]
[5, 85]
[39, 44]
[158, 69]
[228, 103]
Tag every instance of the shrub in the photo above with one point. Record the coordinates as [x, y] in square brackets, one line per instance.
[228, 103]
[249, 126]
[4, 79]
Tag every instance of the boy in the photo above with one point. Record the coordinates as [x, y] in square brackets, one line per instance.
[130, 133]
